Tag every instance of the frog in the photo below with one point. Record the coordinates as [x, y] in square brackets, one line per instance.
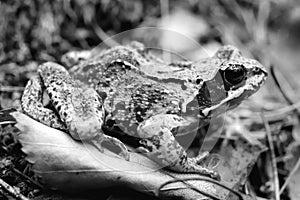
[128, 90]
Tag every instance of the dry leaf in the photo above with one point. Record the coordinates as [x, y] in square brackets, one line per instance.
[65, 164]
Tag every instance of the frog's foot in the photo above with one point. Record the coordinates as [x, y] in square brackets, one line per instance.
[124, 151]
[157, 138]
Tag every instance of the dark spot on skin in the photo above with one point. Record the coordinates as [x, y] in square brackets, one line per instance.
[102, 95]
[58, 108]
[104, 84]
[140, 112]
[65, 114]
[110, 123]
[88, 67]
[156, 140]
[183, 159]
[160, 133]
[144, 144]
[198, 81]
[203, 98]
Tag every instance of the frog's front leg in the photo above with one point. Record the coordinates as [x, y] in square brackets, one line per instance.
[162, 147]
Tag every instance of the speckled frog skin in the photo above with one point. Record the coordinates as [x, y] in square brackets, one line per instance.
[128, 89]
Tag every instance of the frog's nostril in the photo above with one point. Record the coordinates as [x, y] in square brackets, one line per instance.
[257, 70]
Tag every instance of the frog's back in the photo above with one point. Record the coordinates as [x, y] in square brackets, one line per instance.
[130, 95]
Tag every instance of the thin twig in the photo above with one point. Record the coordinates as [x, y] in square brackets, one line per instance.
[103, 36]
[261, 22]
[7, 122]
[292, 173]
[278, 113]
[12, 191]
[164, 11]
[273, 157]
[28, 178]
[11, 89]
[284, 110]
[197, 190]
[5, 117]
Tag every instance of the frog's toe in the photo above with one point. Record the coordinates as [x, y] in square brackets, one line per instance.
[142, 150]
[201, 157]
[97, 144]
[124, 151]
[209, 172]
[125, 154]
[215, 175]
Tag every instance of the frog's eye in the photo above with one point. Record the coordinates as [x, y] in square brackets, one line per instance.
[234, 74]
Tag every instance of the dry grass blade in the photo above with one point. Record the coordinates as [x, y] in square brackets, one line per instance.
[284, 110]
[274, 163]
[164, 6]
[164, 9]
[14, 193]
[11, 89]
[197, 190]
[6, 118]
[103, 36]
[28, 178]
[262, 20]
[7, 122]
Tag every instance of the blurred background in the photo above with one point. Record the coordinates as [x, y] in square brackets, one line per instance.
[34, 31]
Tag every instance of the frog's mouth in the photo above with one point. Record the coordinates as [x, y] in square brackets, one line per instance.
[224, 98]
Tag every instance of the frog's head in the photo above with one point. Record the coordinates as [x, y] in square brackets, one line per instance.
[231, 79]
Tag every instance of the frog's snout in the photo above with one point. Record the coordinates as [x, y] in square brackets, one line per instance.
[259, 68]
[260, 72]
[256, 73]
